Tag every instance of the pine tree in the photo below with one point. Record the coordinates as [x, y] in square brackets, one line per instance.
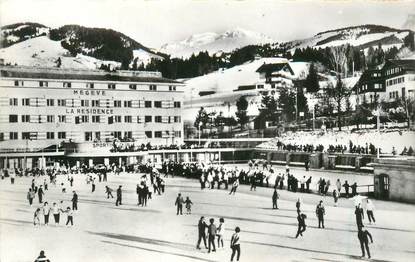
[241, 114]
[311, 82]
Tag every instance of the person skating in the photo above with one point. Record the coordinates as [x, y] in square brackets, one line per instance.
[301, 224]
[369, 211]
[46, 212]
[70, 216]
[221, 232]
[42, 257]
[118, 201]
[30, 196]
[335, 197]
[74, 201]
[36, 217]
[40, 194]
[56, 213]
[202, 232]
[179, 203]
[188, 204]
[354, 189]
[234, 186]
[12, 174]
[298, 205]
[93, 185]
[364, 236]
[211, 235]
[108, 191]
[320, 212]
[346, 188]
[235, 245]
[275, 197]
[359, 216]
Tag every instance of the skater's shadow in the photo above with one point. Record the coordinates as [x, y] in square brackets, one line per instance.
[136, 209]
[159, 251]
[152, 241]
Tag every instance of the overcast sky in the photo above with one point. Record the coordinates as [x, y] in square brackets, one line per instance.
[155, 22]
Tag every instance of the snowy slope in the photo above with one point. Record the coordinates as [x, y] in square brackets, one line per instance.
[41, 51]
[359, 36]
[214, 42]
[144, 57]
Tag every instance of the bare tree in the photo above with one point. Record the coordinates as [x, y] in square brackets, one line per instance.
[338, 58]
[340, 95]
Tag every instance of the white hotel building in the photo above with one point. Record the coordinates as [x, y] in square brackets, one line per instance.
[42, 107]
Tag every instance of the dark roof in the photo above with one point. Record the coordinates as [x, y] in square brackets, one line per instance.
[270, 68]
[87, 77]
[408, 64]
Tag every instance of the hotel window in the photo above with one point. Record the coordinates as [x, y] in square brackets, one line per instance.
[61, 135]
[157, 134]
[177, 134]
[133, 86]
[13, 136]
[95, 103]
[50, 135]
[50, 102]
[18, 83]
[67, 84]
[25, 102]
[1, 136]
[50, 118]
[157, 119]
[89, 85]
[25, 118]
[13, 102]
[95, 119]
[177, 119]
[111, 86]
[88, 136]
[147, 119]
[157, 104]
[177, 104]
[84, 103]
[149, 134]
[98, 136]
[12, 118]
[25, 135]
[128, 119]
[61, 102]
[127, 103]
[61, 118]
[147, 104]
[117, 103]
[43, 84]
[153, 88]
[172, 88]
[117, 119]
[377, 86]
[128, 134]
[85, 119]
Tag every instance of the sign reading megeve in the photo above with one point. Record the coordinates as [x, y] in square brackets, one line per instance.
[98, 111]
[89, 92]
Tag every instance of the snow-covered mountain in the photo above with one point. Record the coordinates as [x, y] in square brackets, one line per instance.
[33, 44]
[359, 36]
[409, 23]
[215, 42]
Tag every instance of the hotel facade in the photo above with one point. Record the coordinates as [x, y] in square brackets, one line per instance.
[42, 109]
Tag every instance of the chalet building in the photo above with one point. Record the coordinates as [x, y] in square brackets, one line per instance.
[43, 107]
[395, 80]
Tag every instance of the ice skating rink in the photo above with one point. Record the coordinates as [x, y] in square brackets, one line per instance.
[104, 232]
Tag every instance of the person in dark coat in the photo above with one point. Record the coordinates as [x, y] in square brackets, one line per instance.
[346, 188]
[74, 201]
[360, 215]
[354, 189]
[118, 201]
[235, 245]
[108, 190]
[307, 183]
[364, 236]
[301, 224]
[179, 203]
[275, 199]
[320, 212]
[42, 257]
[40, 194]
[202, 232]
[211, 235]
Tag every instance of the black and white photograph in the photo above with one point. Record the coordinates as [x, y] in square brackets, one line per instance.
[207, 130]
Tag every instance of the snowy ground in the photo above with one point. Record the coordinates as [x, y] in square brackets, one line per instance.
[104, 232]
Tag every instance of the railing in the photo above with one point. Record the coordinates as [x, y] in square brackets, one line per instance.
[368, 188]
[31, 150]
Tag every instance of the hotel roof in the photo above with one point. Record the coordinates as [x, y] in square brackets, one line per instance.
[73, 75]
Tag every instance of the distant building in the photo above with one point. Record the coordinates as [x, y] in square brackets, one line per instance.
[42, 107]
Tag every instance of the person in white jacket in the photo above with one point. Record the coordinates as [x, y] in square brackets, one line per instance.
[220, 232]
[369, 210]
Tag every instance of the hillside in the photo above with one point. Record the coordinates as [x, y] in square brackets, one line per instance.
[82, 47]
[215, 42]
[358, 36]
